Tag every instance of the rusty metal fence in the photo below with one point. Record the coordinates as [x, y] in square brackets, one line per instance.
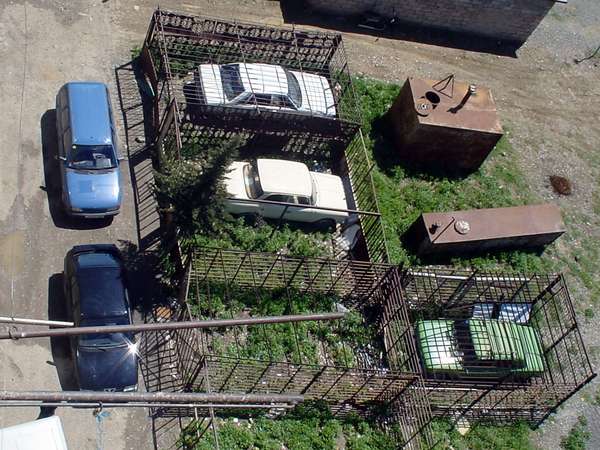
[174, 48]
[542, 302]
[351, 376]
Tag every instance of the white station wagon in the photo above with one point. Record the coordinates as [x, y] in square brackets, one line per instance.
[264, 86]
[285, 181]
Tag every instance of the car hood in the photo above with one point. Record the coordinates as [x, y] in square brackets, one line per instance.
[114, 368]
[316, 94]
[211, 84]
[234, 180]
[94, 189]
[330, 191]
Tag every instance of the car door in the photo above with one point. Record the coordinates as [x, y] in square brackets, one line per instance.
[74, 311]
[304, 214]
[63, 130]
[273, 211]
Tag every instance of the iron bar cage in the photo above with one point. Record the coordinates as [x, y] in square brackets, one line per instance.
[343, 364]
[178, 48]
[491, 346]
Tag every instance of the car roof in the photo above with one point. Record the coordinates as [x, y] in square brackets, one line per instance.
[101, 293]
[101, 285]
[278, 176]
[90, 117]
[264, 78]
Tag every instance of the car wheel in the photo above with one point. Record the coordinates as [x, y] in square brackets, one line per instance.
[327, 225]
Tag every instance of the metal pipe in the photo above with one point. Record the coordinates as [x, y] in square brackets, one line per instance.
[197, 398]
[52, 323]
[77, 331]
[295, 205]
[23, 404]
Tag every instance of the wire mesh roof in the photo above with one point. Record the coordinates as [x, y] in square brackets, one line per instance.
[497, 346]
[219, 63]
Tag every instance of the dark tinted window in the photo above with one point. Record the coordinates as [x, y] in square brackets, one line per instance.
[304, 200]
[91, 157]
[294, 89]
[101, 293]
[280, 198]
[105, 339]
[231, 81]
[263, 99]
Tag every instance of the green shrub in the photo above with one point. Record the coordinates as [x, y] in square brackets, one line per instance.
[309, 426]
[482, 436]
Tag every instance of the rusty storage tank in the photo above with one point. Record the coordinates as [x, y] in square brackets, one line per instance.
[480, 230]
[444, 124]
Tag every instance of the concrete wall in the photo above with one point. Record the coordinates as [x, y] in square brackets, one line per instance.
[508, 20]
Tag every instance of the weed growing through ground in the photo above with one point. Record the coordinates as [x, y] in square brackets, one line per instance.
[577, 437]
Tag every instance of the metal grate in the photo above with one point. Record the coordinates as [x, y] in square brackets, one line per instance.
[495, 346]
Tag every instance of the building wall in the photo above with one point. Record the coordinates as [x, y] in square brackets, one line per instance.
[508, 20]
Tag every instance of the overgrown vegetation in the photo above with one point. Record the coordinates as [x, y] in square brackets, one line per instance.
[482, 436]
[333, 343]
[577, 437]
[404, 193]
[193, 190]
[307, 427]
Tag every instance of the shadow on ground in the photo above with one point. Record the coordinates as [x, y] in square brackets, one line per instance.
[298, 13]
[52, 180]
[136, 102]
[60, 346]
[146, 287]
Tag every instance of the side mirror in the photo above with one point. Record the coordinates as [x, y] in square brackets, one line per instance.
[121, 158]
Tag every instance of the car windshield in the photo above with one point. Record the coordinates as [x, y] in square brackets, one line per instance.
[105, 339]
[92, 157]
[231, 80]
[294, 89]
[252, 181]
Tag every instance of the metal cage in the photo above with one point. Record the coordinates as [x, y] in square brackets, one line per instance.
[321, 361]
[176, 50]
[491, 346]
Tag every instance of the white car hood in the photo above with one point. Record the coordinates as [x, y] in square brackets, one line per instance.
[330, 191]
[316, 94]
[234, 180]
[211, 85]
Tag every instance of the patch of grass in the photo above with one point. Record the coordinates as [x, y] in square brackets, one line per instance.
[482, 437]
[588, 313]
[302, 342]
[577, 437]
[404, 194]
[265, 237]
[307, 427]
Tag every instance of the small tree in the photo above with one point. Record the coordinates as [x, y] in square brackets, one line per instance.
[195, 191]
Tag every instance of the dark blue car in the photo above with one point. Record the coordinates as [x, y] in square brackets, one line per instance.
[96, 292]
[87, 150]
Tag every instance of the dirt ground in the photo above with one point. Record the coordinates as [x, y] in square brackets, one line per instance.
[548, 102]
